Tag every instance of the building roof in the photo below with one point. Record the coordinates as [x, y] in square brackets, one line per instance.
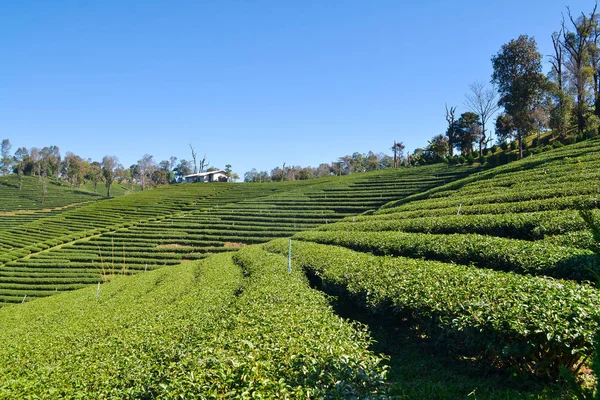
[200, 174]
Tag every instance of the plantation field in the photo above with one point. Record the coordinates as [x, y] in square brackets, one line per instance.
[225, 327]
[495, 267]
[474, 283]
[29, 196]
[117, 189]
[169, 225]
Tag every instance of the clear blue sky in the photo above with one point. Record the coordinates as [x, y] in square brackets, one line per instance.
[252, 83]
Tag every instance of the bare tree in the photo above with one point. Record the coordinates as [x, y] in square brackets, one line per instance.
[561, 112]
[203, 163]
[194, 159]
[146, 166]
[397, 148]
[451, 128]
[172, 161]
[482, 101]
[557, 59]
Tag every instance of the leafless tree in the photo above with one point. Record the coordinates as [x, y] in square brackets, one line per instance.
[483, 101]
[203, 163]
[194, 158]
[451, 126]
[397, 148]
[147, 167]
[557, 59]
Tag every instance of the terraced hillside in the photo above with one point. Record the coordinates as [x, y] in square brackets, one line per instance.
[495, 266]
[29, 195]
[117, 189]
[169, 225]
[492, 271]
[224, 327]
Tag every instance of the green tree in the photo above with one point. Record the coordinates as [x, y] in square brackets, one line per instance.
[109, 165]
[517, 73]
[183, 168]
[505, 129]
[20, 160]
[5, 159]
[251, 176]
[94, 174]
[437, 148]
[467, 131]
[74, 169]
[323, 170]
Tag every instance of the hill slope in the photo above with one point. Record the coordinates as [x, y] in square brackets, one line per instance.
[29, 195]
[490, 271]
[170, 225]
[475, 263]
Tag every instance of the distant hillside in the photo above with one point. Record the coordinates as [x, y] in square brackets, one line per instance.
[29, 196]
[117, 189]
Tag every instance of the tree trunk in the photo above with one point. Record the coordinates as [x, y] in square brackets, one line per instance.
[520, 139]
[482, 139]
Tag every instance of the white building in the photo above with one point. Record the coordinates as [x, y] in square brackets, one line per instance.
[212, 176]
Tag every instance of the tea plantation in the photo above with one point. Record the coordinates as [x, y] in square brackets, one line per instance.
[170, 225]
[28, 196]
[475, 283]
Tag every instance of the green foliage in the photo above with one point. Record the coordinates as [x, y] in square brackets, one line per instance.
[213, 329]
[535, 324]
[536, 258]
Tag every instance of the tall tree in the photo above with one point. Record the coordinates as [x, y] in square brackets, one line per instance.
[468, 131]
[482, 101]
[398, 149]
[194, 158]
[203, 163]
[20, 159]
[560, 114]
[74, 169]
[577, 44]
[251, 176]
[505, 129]
[109, 165]
[437, 148]
[5, 158]
[450, 133]
[34, 161]
[146, 168]
[517, 73]
[95, 174]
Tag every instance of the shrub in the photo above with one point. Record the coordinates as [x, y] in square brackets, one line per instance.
[532, 323]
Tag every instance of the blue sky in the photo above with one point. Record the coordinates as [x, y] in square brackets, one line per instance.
[251, 83]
